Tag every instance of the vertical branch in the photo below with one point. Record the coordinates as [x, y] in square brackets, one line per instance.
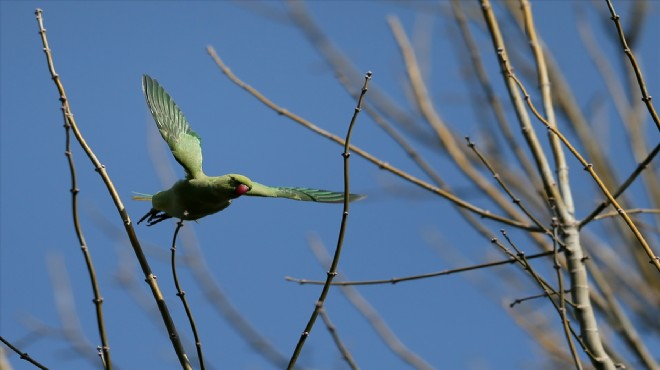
[340, 240]
[150, 278]
[544, 85]
[540, 159]
[91, 271]
[562, 303]
[182, 294]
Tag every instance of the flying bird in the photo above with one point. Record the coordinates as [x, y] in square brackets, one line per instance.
[199, 195]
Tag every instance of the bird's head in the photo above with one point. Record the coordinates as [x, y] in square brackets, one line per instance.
[240, 184]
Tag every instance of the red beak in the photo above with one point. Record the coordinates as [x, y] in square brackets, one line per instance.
[241, 189]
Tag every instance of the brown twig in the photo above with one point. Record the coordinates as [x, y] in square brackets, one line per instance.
[496, 105]
[421, 276]
[646, 98]
[504, 186]
[631, 178]
[23, 355]
[182, 295]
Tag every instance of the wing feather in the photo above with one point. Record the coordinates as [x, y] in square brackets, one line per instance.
[305, 194]
[184, 143]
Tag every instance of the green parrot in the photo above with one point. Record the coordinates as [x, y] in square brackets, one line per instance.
[199, 195]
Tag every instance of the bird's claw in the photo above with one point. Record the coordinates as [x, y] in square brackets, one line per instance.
[154, 216]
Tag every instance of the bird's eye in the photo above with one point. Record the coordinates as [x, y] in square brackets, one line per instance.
[241, 189]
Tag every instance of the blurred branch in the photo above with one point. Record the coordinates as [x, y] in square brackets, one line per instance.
[335, 337]
[496, 105]
[100, 168]
[382, 109]
[445, 136]
[371, 315]
[345, 71]
[381, 164]
[71, 329]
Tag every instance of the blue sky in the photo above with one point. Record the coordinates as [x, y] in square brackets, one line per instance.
[101, 49]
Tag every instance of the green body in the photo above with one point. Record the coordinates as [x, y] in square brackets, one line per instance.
[195, 198]
[199, 195]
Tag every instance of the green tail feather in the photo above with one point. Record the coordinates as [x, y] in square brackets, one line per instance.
[141, 196]
[316, 195]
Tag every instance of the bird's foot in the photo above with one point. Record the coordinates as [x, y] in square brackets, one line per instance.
[154, 216]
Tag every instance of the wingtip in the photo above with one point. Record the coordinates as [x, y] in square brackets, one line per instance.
[356, 197]
[149, 83]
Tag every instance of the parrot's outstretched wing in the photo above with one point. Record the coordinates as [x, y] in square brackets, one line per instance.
[173, 126]
[306, 194]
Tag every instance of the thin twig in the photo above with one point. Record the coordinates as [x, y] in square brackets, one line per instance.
[638, 170]
[518, 301]
[182, 295]
[522, 259]
[504, 187]
[340, 240]
[646, 98]
[547, 289]
[421, 276]
[632, 211]
[477, 65]
[24, 355]
[128, 225]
